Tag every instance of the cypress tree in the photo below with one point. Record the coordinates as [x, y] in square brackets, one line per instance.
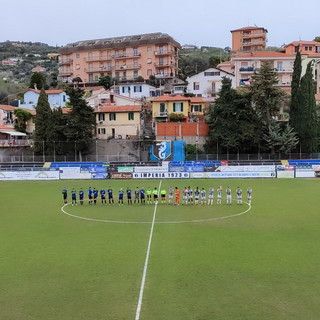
[43, 129]
[308, 132]
[295, 105]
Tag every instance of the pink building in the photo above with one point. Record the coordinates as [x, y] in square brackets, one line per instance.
[125, 58]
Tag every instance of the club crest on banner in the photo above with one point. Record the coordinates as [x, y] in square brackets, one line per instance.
[161, 149]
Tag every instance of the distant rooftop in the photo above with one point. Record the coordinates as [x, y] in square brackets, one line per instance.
[118, 42]
[249, 28]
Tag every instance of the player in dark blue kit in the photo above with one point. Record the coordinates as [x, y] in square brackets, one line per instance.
[110, 196]
[129, 195]
[121, 192]
[74, 197]
[95, 195]
[103, 196]
[90, 195]
[65, 195]
[142, 196]
[81, 195]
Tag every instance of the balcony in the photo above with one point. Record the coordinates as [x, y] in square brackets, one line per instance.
[253, 35]
[65, 62]
[127, 56]
[161, 114]
[127, 67]
[164, 52]
[98, 58]
[247, 69]
[164, 75]
[16, 143]
[66, 73]
[253, 43]
[99, 69]
[280, 70]
[165, 64]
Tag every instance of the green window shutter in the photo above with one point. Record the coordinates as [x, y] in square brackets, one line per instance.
[174, 107]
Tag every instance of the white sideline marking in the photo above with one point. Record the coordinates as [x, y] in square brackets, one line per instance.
[145, 268]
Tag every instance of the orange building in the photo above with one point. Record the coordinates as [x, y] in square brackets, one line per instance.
[305, 47]
[249, 39]
[125, 58]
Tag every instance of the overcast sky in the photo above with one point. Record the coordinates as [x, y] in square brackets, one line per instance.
[199, 22]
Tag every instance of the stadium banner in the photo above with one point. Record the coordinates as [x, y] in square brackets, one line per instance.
[74, 173]
[194, 168]
[125, 169]
[160, 150]
[29, 175]
[270, 168]
[161, 175]
[223, 175]
[306, 172]
[145, 169]
[177, 169]
[121, 175]
[285, 174]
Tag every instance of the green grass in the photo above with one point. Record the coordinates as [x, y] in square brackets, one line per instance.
[261, 265]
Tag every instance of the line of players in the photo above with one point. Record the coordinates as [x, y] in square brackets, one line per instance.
[151, 196]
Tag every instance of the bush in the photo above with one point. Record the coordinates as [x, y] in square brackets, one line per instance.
[177, 117]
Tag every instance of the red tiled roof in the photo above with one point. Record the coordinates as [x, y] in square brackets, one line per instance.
[109, 108]
[262, 54]
[66, 110]
[6, 128]
[303, 42]
[171, 98]
[47, 91]
[6, 107]
[197, 100]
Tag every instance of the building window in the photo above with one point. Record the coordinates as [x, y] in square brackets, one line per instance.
[196, 86]
[135, 74]
[116, 54]
[101, 131]
[162, 107]
[77, 55]
[317, 49]
[279, 66]
[196, 108]
[125, 89]
[244, 64]
[131, 116]
[137, 88]
[178, 107]
[148, 49]
[96, 78]
[212, 74]
[308, 48]
[90, 77]
[135, 52]
[101, 116]
[64, 98]
[112, 117]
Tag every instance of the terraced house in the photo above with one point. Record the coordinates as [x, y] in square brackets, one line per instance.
[125, 58]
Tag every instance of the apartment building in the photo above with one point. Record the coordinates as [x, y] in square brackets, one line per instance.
[125, 58]
[249, 39]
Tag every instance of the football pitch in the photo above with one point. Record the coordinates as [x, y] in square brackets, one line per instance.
[161, 262]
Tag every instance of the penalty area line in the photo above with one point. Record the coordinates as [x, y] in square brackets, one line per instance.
[145, 268]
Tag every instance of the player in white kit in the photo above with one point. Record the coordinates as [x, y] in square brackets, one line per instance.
[249, 195]
[203, 194]
[170, 196]
[185, 196]
[190, 195]
[239, 195]
[196, 196]
[229, 197]
[219, 195]
[210, 196]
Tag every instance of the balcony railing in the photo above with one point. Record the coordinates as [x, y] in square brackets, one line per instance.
[127, 55]
[66, 62]
[161, 114]
[66, 73]
[281, 70]
[127, 67]
[98, 58]
[164, 75]
[15, 143]
[247, 69]
[165, 64]
[253, 43]
[164, 52]
[99, 69]
[253, 35]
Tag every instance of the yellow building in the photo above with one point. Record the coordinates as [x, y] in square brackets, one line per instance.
[118, 122]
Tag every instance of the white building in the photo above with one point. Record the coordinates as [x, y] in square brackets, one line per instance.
[56, 98]
[137, 90]
[208, 82]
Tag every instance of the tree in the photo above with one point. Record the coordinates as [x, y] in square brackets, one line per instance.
[266, 98]
[177, 117]
[22, 116]
[57, 136]
[317, 39]
[295, 106]
[232, 121]
[43, 128]
[81, 121]
[107, 82]
[309, 128]
[38, 81]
